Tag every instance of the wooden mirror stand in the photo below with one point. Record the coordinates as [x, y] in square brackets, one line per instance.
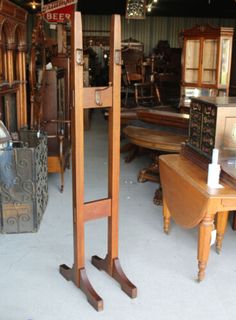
[96, 97]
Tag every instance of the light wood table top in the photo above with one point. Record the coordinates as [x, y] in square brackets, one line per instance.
[155, 139]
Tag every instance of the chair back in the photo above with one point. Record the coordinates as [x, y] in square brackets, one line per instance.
[132, 61]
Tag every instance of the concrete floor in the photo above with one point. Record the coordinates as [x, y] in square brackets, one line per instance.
[164, 268]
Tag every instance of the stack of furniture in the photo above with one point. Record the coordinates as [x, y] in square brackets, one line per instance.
[50, 101]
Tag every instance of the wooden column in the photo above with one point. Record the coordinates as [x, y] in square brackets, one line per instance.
[22, 77]
[9, 61]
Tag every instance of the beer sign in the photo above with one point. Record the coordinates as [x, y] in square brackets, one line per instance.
[58, 11]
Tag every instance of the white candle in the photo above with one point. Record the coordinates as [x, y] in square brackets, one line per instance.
[215, 155]
[214, 170]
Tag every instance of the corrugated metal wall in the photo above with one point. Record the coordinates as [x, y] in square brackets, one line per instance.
[152, 29]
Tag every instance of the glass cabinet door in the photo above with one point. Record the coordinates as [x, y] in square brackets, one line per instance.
[225, 61]
[192, 61]
[209, 61]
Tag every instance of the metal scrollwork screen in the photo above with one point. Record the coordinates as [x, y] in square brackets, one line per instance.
[23, 184]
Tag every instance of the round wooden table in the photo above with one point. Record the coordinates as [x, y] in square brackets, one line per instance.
[159, 141]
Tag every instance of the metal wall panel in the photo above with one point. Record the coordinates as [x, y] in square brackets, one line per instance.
[152, 29]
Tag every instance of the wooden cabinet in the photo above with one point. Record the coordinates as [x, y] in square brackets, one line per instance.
[212, 124]
[206, 61]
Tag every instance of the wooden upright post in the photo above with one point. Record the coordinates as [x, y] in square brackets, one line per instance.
[96, 97]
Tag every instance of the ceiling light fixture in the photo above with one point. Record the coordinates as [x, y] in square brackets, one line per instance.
[151, 5]
[34, 5]
[135, 9]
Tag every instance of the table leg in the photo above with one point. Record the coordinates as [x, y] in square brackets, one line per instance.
[234, 221]
[204, 240]
[158, 198]
[222, 219]
[132, 154]
[166, 217]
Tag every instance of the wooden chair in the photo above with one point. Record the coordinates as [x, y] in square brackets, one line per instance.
[132, 60]
[132, 70]
[147, 94]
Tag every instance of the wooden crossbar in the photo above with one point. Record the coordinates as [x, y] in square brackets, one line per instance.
[97, 97]
[97, 209]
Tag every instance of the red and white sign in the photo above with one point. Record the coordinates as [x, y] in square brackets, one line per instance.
[58, 11]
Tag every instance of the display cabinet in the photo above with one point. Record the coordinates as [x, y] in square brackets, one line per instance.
[13, 106]
[206, 61]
